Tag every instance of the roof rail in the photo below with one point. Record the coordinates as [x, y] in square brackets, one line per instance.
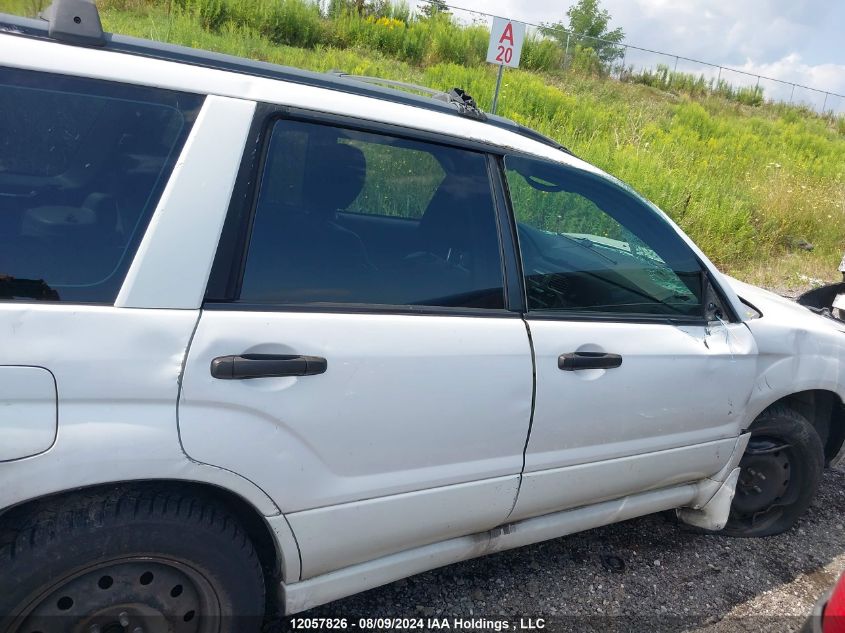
[465, 104]
[75, 22]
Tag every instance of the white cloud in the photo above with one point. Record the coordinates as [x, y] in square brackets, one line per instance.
[791, 68]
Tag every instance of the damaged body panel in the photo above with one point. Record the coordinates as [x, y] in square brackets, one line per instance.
[117, 377]
[798, 351]
[712, 503]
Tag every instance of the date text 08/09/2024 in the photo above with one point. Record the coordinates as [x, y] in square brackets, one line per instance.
[410, 624]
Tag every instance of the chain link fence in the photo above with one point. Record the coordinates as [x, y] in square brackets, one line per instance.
[634, 63]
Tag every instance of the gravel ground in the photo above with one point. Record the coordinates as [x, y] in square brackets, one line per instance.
[647, 574]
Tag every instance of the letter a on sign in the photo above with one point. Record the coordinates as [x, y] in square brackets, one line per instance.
[507, 35]
[506, 39]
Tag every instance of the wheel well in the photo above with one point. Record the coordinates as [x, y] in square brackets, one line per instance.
[253, 522]
[825, 411]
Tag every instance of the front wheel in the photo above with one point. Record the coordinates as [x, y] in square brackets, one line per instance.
[138, 560]
[780, 473]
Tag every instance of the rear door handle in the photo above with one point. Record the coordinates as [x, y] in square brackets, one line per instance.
[266, 366]
[588, 360]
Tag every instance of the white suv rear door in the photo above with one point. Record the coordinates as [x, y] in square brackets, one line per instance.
[356, 358]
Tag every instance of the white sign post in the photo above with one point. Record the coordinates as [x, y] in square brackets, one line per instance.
[505, 48]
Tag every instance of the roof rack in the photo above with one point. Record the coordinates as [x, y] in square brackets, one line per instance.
[466, 104]
[74, 21]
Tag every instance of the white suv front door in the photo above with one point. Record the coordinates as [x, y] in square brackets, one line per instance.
[365, 372]
[638, 385]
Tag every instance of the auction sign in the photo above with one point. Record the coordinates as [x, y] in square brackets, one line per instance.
[505, 48]
[506, 40]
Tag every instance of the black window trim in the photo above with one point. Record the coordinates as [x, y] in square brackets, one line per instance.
[516, 292]
[227, 271]
[605, 317]
[230, 260]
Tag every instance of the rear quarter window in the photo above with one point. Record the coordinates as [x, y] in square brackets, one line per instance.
[82, 166]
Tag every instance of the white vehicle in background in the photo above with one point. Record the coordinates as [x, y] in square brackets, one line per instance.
[269, 336]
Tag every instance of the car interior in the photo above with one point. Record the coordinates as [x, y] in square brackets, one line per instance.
[588, 247]
[347, 217]
[315, 240]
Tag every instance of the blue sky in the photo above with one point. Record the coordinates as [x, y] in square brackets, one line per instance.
[795, 40]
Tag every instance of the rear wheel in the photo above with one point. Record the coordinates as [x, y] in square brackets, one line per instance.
[140, 561]
[779, 475]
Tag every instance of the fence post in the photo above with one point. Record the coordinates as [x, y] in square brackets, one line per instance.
[622, 67]
[566, 51]
[824, 105]
[792, 94]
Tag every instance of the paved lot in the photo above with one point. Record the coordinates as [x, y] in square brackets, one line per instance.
[648, 574]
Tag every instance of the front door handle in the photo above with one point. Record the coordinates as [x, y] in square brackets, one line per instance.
[575, 361]
[266, 366]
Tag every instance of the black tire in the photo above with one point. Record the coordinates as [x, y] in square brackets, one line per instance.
[161, 558]
[781, 471]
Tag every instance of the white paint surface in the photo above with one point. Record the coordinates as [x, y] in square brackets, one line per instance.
[339, 536]
[27, 411]
[677, 386]
[171, 267]
[117, 377]
[310, 593]
[558, 489]
[407, 403]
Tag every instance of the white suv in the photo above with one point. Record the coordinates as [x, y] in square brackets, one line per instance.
[268, 334]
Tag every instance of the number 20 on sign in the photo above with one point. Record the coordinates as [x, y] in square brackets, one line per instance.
[505, 48]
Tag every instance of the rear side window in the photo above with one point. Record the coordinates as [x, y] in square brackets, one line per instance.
[82, 166]
[351, 217]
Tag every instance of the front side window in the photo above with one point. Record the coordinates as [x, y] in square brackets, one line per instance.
[82, 165]
[589, 246]
[350, 217]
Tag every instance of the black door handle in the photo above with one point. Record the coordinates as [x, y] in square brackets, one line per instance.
[588, 360]
[266, 366]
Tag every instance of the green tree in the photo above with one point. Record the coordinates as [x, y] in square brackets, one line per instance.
[430, 8]
[589, 23]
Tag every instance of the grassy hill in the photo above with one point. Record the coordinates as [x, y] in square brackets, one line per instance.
[756, 186]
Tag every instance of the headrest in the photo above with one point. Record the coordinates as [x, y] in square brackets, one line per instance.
[334, 176]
